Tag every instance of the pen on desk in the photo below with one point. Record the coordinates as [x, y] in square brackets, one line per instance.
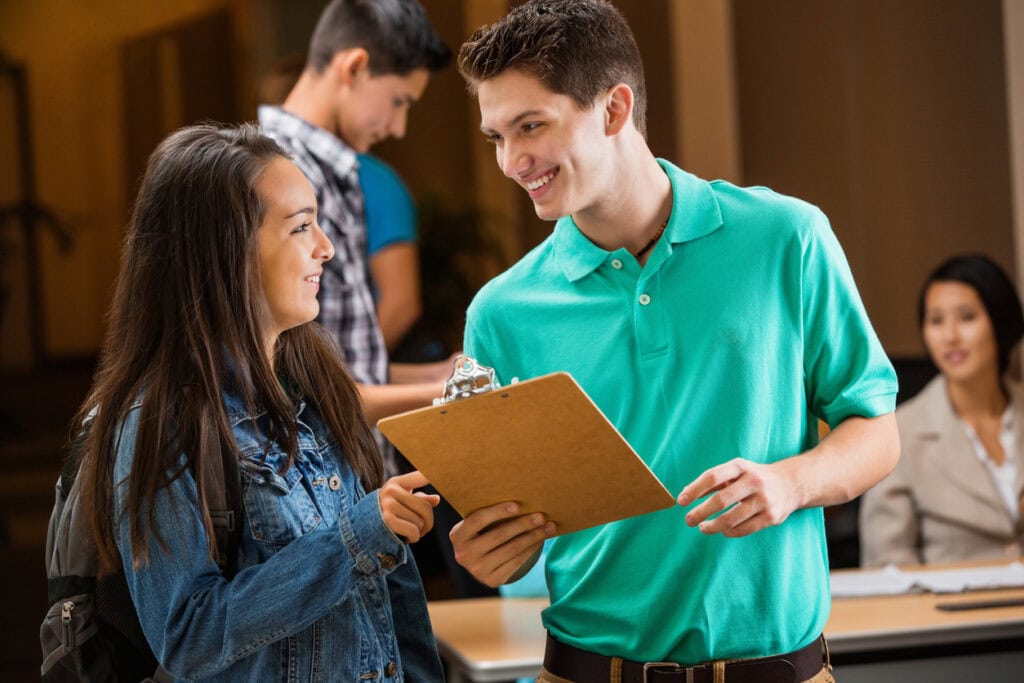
[979, 604]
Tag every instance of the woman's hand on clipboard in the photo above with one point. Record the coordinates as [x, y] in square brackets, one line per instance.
[495, 542]
[407, 512]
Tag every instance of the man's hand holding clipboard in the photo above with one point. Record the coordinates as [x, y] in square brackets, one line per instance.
[534, 459]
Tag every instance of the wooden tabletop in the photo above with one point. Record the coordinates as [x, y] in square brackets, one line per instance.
[501, 638]
[895, 621]
[494, 639]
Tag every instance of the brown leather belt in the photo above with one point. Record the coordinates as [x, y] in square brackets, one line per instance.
[588, 667]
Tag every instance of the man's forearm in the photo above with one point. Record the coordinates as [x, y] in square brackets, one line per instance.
[852, 458]
[422, 373]
[382, 400]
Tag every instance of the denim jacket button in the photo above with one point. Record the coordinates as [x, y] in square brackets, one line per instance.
[334, 482]
[386, 561]
[390, 670]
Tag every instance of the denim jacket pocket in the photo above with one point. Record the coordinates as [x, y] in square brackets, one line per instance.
[278, 507]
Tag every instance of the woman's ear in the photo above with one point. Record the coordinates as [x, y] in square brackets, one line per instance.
[346, 65]
[618, 108]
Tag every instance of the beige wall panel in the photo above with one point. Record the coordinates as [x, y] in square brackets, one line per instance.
[891, 116]
[76, 117]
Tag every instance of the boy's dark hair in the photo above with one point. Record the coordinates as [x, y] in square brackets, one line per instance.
[578, 48]
[997, 294]
[396, 33]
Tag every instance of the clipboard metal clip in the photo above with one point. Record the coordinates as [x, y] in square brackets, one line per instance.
[469, 378]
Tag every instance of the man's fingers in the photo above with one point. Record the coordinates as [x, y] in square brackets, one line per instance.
[478, 520]
[755, 523]
[502, 573]
[736, 491]
[735, 517]
[493, 566]
[710, 481]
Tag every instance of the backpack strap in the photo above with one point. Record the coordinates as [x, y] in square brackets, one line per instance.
[160, 676]
[222, 489]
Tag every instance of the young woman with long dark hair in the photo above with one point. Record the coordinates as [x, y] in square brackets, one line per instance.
[211, 348]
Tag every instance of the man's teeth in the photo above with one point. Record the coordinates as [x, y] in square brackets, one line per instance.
[540, 182]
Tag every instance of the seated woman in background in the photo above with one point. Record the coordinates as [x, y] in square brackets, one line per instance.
[211, 333]
[956, 493]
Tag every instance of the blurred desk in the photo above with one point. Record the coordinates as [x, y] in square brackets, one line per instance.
[897, 638]
[489, 639]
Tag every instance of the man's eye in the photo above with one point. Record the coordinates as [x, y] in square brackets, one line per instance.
[530, 127]
[494, 139]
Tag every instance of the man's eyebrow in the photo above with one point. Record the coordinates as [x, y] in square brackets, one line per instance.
[309, 210]
[515, 120]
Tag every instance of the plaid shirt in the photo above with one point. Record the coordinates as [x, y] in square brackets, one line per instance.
[346, 302]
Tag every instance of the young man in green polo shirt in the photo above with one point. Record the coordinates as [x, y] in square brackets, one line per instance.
[713, 325]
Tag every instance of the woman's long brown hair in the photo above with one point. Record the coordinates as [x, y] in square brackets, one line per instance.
[186, 320]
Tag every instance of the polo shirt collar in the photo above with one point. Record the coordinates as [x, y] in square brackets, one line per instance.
[695, 213]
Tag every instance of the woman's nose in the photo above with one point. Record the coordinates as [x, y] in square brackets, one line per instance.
[324, 246]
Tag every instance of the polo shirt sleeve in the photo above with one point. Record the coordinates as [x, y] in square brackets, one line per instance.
[474, 344]
[846, 371]
[390, 211]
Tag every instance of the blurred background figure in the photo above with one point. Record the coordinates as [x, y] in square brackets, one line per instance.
[393, 256]
[956, 493]
[390, 212]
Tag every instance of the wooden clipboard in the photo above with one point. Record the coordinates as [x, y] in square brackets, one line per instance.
[541, 442]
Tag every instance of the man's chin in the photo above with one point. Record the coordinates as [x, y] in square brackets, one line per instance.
[547, 213]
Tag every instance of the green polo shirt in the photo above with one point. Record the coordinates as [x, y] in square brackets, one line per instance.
[743, 327]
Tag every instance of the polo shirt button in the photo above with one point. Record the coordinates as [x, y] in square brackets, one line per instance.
[387, 561]
[390, 670]
[334, 482]
[644, 299]
[616, 264]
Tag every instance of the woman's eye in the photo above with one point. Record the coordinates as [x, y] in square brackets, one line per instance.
[302, 228]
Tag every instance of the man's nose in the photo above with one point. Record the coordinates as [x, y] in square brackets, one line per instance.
[510, 159]
[398, 124]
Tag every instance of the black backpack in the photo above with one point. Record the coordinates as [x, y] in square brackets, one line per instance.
[91, 631]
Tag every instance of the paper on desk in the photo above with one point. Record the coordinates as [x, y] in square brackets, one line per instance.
[893, 581]
[855, 584]
[977, 578]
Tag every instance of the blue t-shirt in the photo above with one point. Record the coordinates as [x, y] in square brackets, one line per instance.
[743, 327]
[390, 211]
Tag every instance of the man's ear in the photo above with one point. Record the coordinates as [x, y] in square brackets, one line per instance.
[346, 65]
[618, 108]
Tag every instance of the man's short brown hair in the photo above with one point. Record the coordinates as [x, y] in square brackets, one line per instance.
[578, 48]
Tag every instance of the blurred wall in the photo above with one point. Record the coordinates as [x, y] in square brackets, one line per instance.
[73, 52]
[891, 116]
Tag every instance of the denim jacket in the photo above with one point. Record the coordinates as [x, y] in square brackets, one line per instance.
[324, 590]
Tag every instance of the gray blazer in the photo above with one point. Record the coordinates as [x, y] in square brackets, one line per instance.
[940, 503]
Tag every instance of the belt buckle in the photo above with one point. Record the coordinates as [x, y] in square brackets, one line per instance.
[675, 667]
